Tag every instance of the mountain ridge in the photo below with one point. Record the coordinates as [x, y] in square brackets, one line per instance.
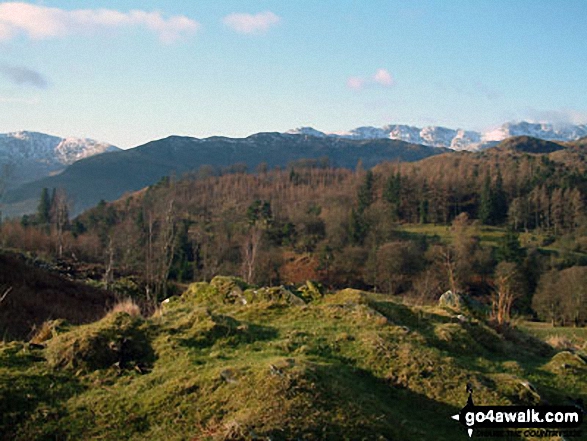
[27, 156]
[456, 139]
[109, 176]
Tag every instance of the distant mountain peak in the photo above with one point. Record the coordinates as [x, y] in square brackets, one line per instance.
[306, 131]
[457, 139]
[34, 146]
[33, 155]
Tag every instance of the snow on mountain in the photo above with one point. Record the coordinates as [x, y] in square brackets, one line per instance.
[366, 133]
[306, 131]
[440, 136]
[31, 155]
[459, 139]
[405, 133]
[464, 139]
[549, 132]
[32, 146]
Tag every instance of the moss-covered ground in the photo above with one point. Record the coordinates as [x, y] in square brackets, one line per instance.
[229, 362]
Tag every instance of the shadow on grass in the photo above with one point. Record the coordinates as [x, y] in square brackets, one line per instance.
[228, 331]
[26, 398]
[354, 404]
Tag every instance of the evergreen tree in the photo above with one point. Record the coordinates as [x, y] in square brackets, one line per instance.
[288, 234]
[365, 194]
[499, 205]
[509, 248]
[423, 211]
[485, 210]
[357, 228]
[182, 268]
[260, 211]
[493, 207]
[265, 213]
[392, 194]
[44, 208]
[101, 219]
[294, 177]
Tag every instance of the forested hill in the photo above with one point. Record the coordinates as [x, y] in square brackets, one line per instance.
[384, 229]
[527, 144]
[343, 227]
[109, 176]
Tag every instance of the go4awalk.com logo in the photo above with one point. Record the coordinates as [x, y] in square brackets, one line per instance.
[538, 421]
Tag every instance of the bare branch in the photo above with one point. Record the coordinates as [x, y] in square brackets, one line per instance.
[5, 294]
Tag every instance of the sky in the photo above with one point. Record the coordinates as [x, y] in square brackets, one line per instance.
[128, 72]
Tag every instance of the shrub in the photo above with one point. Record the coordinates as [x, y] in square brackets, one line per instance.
[128, 306]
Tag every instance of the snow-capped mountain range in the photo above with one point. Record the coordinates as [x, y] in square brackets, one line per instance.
[48, 149]
[32, 155]
[457, 139]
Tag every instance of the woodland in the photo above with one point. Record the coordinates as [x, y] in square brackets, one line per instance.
[506, 227]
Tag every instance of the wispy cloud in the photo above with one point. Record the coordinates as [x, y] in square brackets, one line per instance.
[355, 83]
[251, 23]
[13, 100]
[488, 92]
[558, 116]
[41, 22]
[382, 77]
[471, 88]
[23, 76]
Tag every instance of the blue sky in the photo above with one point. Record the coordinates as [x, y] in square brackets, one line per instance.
[127, 72]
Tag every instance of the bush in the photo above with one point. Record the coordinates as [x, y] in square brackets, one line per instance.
[118, 339]
[127, 306]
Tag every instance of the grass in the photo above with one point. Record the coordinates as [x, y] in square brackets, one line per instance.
[348, 365]
[489, 237]
[127, 305]
[544, 331]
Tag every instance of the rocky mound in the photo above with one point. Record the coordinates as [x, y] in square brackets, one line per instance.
[280, 366]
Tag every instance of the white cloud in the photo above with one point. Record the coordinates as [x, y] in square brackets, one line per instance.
[355, 83]
[41, 22]
[383, 77]
[251, 23]
[23, 76]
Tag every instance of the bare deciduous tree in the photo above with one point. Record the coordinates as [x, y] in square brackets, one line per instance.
[561, 296]
[60, 216]
[250, 252]
[161, 233]
[509, 286]
[5, 293]
[166, 245]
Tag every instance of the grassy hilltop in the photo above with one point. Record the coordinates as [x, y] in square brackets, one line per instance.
[225, 361]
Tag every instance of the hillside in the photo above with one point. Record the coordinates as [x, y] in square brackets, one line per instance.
[28, 156]
[226, 361]
[527, 144]
[36, 294]
[110, 176]
[312, 210]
